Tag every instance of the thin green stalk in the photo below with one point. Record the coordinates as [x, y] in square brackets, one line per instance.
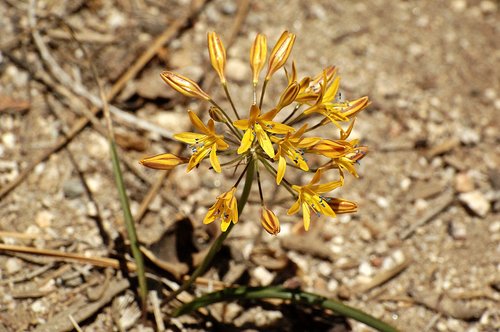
[264, 86]
[130, 226]
[220, 239]
[228, 122]
[230, 100]
[295, 296]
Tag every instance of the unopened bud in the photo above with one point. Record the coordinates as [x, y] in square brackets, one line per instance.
[184, 85]
[340, 206]
[258, 54]
[217, 54]
[356, 106]
[280, 53]
[288, 96]
[164, 161]
[216, 114]
[269, 221]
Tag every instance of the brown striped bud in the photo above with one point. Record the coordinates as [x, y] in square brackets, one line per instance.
[288, 96]
[184, 85]
[164, 161]
[340, 206]
[280, 53]
[217, 54]
[258, 54]
[216, 114]
[269, 221]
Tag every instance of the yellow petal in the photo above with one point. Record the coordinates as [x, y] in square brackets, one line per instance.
[332, 90]
[281, 170]
[264, 140]
[276, 127]
[242, 124]
[197, 157]
[326, 187]
[246, 141]
[190, 138]
[306, 215]
[294, 208]
[197, 123]
[214, 160]
[210, 216]
[224, 225]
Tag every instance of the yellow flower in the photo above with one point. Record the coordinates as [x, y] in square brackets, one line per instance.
[217, 54]
[163, 161]
[258, 57]
[225, 209]
[203, 144]
[258, 125]
[343, 154]
[269, 221]
[184, 85]
[292, 146]
[310, 198]
[310, 88]
[326, 102]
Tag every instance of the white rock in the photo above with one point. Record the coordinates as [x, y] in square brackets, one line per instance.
[382, 202]
[464, 183]
[494, 227]
[366, 269]
[476, 202]
[44, 218]
[38, 306]
[13, 265]
[9, 140]
[488, 7]
[263, 276]
[458, 230]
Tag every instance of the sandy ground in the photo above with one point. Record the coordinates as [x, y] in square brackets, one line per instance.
[423, 251]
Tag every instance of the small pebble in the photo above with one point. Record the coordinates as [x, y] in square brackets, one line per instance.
[9, 140]
[464, 183]
[476, 202]
[494, 227]
[44, 218]
[457, 230]
[73, 188]
[262, 275]
[13, 265]
[366, 269]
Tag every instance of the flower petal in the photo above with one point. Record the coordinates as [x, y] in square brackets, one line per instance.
[294, 208]
[214, 160]
[242, 124]
[195, 120]
[190, 138]
[246, 141]
[197, 157]
[306, 215]
[281, 170]
[264, 140]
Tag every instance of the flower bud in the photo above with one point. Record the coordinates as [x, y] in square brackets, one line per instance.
[340, 205]
[280, 53]
[184, 85]
[216, 114]
[289, 95]
[269, 221]
[356, 106]
[217, 54]
[258, 54]
[164, 161]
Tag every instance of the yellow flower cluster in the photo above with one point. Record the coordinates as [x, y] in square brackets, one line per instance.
[268, 143]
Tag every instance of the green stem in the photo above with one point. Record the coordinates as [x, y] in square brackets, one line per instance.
[264, 86]
[228, 122]
[230, 101]
[220, 239]
[296, 296]
[129, 224]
